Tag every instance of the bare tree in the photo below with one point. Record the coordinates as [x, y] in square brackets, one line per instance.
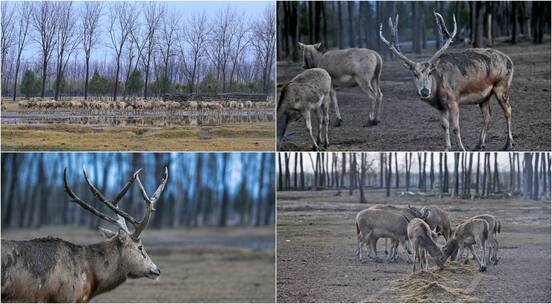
[45, 24]
[121, 16]
[264, 40]
[67, 40]
[195, 36]
[24, 17]
[8, 31]
[169, 32]
[239, 46]
[90, 20]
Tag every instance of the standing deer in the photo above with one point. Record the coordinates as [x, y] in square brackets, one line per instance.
[53, 270]
[448, 80]
[308, 91]
[349, 68]
[421, 240]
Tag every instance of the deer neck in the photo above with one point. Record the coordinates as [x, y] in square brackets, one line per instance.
[106, 267]
[316, 56]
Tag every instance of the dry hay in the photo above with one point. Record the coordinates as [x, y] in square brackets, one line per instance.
[435, 285]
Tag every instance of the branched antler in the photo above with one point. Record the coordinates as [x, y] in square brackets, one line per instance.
[443, 33]
[394, 45]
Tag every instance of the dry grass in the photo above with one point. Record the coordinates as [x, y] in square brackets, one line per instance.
[65, 137]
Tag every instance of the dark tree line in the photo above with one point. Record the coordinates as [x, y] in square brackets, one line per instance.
[464, 175]
[204, 189]
[343, 24]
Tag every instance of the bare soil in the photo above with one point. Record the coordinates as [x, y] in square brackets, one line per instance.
[409, 124]
[317, 239]
[197, 265]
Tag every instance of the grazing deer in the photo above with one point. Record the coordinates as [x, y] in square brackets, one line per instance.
[349, 68]
[494, 229]
[372, 224]
[469, 233]
[421, 240]
[308, 91]
[54, 270]
[448, 80]
[436, 218]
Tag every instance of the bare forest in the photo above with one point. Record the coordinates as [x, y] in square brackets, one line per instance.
[464, 175]
[122, 49]
[203, 190]
[521, 30]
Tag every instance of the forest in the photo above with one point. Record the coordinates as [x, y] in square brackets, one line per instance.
[203, 189]
[348, 24]
[125, 48]
[464, 175]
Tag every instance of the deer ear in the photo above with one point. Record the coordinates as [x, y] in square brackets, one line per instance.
[300, 44]
[107, 233]
[318, 45]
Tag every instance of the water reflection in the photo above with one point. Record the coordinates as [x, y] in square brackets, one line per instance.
[133, 120]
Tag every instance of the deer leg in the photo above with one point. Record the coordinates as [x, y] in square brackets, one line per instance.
[326, 113]
[485, 108]
[446, 127]
[416, 258]
[366, 87]
[379, 97]
[333, 96]
[503, 97]
[320, 118]
[307, 116]
[455, 116]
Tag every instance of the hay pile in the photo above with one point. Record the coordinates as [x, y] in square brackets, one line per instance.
[434, 285]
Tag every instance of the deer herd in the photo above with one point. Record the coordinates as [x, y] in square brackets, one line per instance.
[445, 81]
[417, 231]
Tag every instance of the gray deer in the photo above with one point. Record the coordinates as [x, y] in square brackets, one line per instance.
[53, 270]
[471, 76]
[349, 68]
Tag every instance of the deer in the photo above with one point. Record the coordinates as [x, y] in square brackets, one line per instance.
[448, 80]
[349, 68]
[436, 218]
[306, 92]
[422, 242]
[54, 270]
[372, 224]
[471, 232]
[494, 229]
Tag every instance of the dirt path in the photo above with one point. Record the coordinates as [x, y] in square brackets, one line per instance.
[409, 124]
[197, 265]
[316, 261]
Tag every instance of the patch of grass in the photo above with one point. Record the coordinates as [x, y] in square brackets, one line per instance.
[70, 137]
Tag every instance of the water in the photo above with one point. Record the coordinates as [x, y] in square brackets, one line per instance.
[147, 119]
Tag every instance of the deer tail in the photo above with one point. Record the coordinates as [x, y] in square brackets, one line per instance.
[498, 224]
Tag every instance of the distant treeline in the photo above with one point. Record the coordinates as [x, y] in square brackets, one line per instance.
[126, 48]
[342, 24]
[466, 175]
[204, 189]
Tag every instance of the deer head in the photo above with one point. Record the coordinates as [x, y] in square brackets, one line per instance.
[422, 71]
[311, 54]
[134, 258]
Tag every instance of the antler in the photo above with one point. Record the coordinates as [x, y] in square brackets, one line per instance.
[415, 211]
[394, 45]
[443, 32]
[150, 202]
[121, 215]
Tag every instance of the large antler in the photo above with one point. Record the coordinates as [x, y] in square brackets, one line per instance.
[394, 44]
[443, 33]
[113, 204]
[150, 202]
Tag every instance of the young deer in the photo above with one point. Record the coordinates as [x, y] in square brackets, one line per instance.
[448, 80]
[54, 270]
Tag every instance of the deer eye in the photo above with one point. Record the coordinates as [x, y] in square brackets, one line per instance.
[140, 247]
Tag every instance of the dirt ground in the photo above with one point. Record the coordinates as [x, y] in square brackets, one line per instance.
[197, 265]
[74, 137]
[409, 124]
[317, 239]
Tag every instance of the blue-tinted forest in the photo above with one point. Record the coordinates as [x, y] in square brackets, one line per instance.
[203, 189]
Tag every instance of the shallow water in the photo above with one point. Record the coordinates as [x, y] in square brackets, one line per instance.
[148, 119]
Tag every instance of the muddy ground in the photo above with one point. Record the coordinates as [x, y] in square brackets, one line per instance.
[409, 124]
[317, 239]
[197, 265]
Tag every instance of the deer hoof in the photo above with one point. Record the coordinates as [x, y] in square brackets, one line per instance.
[326, 145]
[371, 123]
[479, 147]
[496, 261]
[338, 122]
[507, 147]
[482, 268]
[315, 148]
